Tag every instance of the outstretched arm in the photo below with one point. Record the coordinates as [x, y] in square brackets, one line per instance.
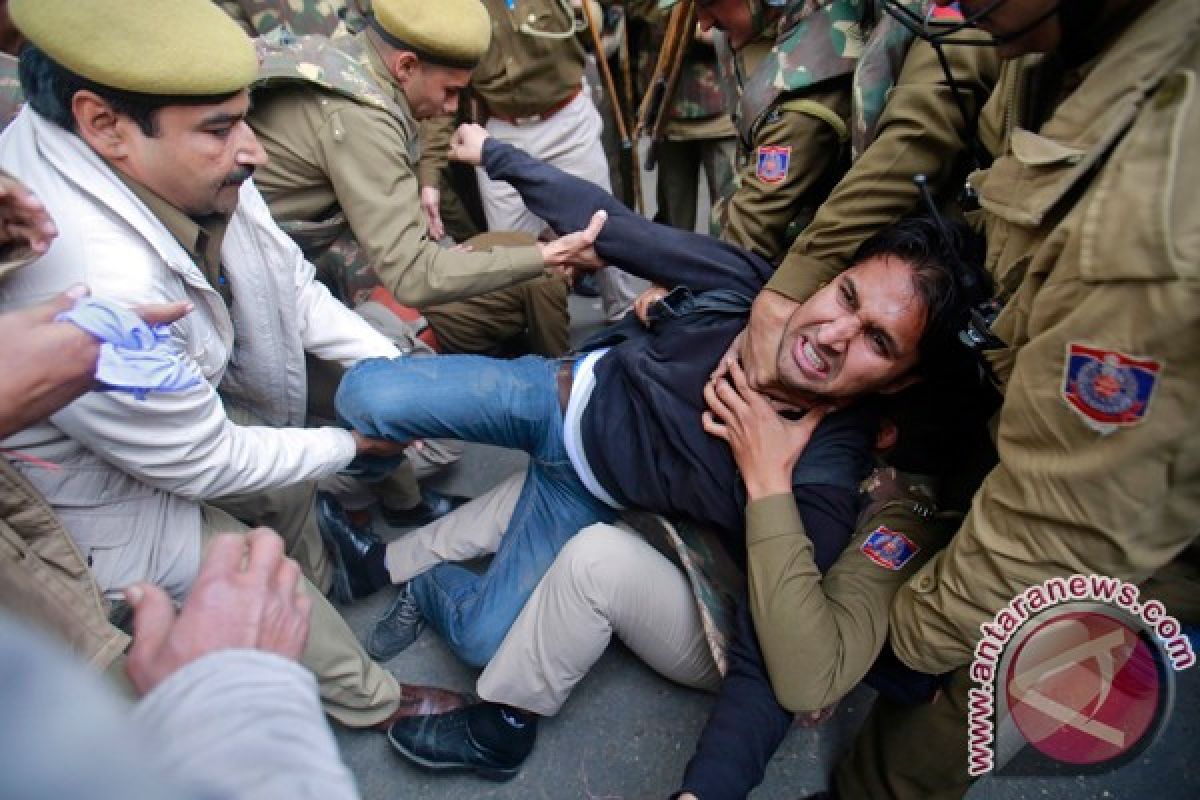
[665, 255]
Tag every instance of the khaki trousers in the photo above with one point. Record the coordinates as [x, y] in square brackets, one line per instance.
[354, 690]
[607, 580]
[530, 317]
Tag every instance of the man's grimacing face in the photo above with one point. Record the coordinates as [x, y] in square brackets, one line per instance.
[859, 334]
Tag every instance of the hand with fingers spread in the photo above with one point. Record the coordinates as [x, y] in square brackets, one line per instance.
[576, 249]
[247, 596]
[757, 347]
[765, 444]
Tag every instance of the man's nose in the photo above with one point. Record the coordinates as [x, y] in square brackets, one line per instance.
[837, 333]
[250, 152]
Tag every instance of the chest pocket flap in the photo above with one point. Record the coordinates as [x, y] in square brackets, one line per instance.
[1142, 223]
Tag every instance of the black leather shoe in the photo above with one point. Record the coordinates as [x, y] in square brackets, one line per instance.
[349, 545]
[586, 285]
[445, 742]
[433, 506]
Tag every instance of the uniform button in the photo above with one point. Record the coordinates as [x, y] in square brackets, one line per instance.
[925, 583]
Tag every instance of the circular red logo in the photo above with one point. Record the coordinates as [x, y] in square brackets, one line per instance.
[1085, 688]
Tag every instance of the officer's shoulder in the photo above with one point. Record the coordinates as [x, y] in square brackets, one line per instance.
[1144, 222]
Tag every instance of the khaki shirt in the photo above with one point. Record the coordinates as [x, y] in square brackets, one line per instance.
[820, 635]
[920, 132]
[1093, 236]
[330, 154]
[766, 205]
[523, 73]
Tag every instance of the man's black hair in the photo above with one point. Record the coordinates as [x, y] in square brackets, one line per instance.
[948, 277]
[50, 88]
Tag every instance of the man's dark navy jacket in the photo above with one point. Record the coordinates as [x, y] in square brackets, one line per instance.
[649, 388]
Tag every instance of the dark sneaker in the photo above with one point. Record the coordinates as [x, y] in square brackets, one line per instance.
[399, 627]
[450, 742]
[433, 506]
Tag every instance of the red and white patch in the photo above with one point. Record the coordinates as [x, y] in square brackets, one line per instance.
[1108, 389]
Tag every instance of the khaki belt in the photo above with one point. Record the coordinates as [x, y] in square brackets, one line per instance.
[540, 116]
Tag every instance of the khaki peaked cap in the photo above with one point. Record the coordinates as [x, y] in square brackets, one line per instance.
[156, 47]
[452, 32]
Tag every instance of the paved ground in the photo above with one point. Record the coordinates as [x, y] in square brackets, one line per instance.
[627, 733]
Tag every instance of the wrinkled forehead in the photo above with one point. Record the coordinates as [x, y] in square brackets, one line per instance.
[885, 287]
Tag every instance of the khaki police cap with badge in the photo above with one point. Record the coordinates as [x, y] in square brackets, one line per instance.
[156, 47]
[453, 33]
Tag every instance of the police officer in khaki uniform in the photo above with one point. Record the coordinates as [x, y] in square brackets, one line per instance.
[699, 133]
[339, 119]
[787, 71]
[1093, 248]
[531, 84]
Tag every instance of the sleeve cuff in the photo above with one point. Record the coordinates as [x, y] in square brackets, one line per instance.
[799, 277]
[771, 517]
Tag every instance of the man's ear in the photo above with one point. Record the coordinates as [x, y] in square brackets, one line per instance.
[402, 64]
[100, 126]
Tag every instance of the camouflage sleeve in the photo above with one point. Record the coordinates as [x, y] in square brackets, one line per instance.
[435, 144]
[919, 132]
[819, 636]
[795, 160]
[234, 9]
[365, 157]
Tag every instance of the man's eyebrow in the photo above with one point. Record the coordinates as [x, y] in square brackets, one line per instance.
[222, 118]
[851, 291]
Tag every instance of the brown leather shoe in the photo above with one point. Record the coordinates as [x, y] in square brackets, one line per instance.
[422, 701]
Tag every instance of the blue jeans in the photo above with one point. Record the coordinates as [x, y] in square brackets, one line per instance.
[504, 403]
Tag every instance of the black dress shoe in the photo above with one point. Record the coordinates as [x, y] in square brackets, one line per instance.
[447, 742]
[351, 548]
[586, 285]
[433, 506]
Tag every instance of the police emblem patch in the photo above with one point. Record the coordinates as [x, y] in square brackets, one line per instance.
[772, 165]
[1109, 390]
[889, 548]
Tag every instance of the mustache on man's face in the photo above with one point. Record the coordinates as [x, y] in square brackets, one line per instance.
[238, 176]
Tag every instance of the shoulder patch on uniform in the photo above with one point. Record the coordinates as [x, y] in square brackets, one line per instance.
[772, 163]
[1108, 389]
[889, 548]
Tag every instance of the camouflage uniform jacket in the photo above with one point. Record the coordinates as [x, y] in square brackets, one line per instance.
[299, 17]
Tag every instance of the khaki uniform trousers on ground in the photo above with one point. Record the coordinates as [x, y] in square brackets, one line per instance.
[354, 690]
[679, 163]
[606, 580]
[530, 317]
[570, 140]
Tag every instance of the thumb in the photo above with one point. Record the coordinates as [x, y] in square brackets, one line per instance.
[153, 617]
[63, 301]
[596, 224]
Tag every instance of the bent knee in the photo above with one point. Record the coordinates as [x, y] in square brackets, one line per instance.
[599, 559]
